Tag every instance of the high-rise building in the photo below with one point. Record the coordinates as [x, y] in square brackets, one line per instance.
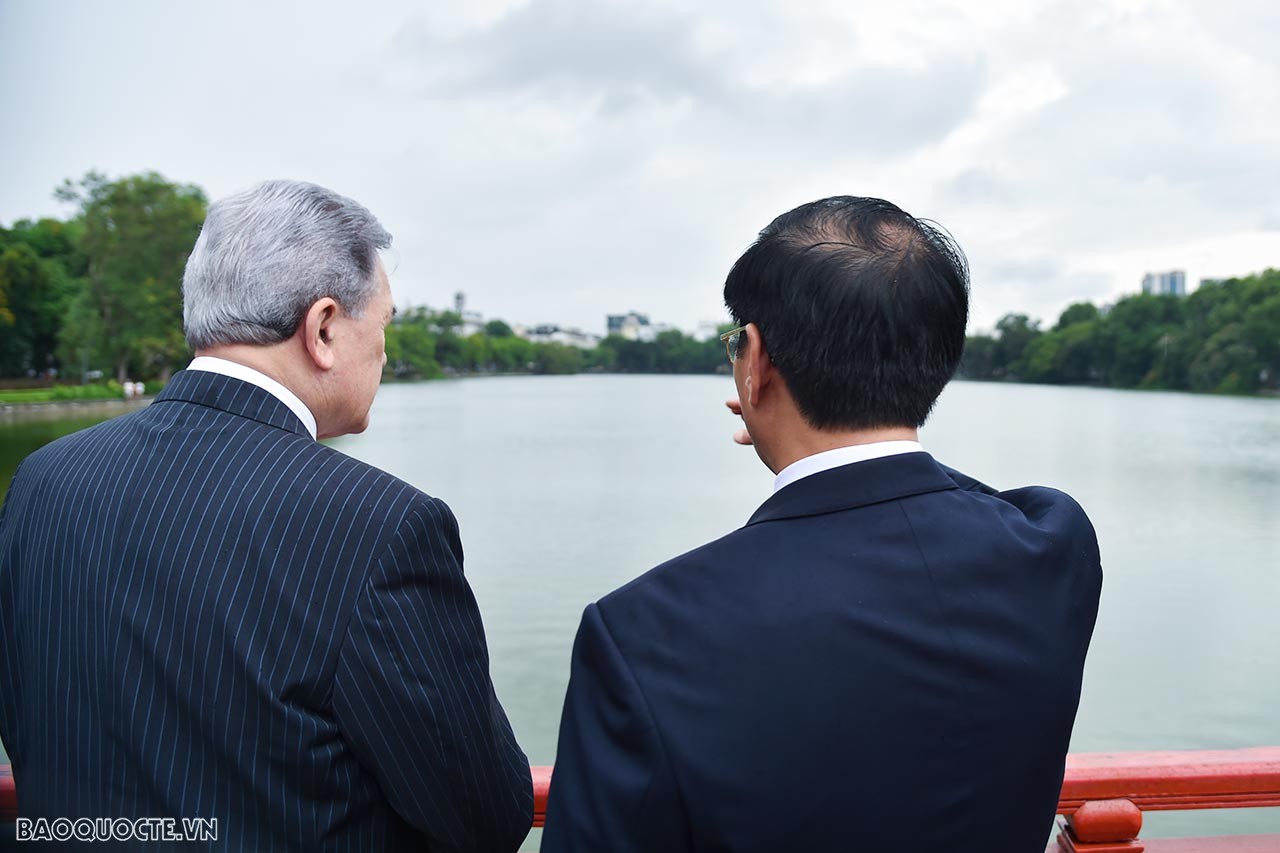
[1172, 283]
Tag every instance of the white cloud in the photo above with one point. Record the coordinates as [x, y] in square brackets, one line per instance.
[559, 159]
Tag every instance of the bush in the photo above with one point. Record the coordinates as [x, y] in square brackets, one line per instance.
[98, 391]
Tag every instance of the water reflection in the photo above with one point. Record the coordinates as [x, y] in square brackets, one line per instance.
[567, 487]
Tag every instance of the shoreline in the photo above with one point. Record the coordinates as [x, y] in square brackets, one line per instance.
[11, 412]
[1260, 394]
[59, 409]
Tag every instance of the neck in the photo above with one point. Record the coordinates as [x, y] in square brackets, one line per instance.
[273, 361]
[806, 441]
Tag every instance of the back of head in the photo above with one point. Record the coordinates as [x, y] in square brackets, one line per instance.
[267, 254]
[862, 309]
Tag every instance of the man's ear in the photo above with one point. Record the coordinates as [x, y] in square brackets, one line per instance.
[760, 370]
[317, 332]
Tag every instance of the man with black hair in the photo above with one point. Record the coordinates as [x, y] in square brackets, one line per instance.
[888, 656]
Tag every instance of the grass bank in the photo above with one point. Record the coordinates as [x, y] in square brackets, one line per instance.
[62, 393]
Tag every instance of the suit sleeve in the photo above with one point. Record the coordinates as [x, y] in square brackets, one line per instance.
[413, 697]
[613, 787]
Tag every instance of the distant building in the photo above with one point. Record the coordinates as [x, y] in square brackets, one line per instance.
[472, 321]
[1172, 283]
[549, 333]
[650, 333]
[631, 325]
[635, 327]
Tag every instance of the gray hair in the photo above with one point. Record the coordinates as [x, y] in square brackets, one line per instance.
[266, 255]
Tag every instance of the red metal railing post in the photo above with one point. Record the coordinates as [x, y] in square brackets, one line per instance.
[8, 795]
[1102, 826]
[541, 787]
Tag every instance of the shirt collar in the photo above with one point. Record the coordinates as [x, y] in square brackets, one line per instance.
[236, 370]
[829, 459]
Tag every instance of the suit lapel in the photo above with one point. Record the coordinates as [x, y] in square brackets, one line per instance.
[857, 484]
[233, 396]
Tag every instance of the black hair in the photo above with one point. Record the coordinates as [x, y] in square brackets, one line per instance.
[862, 308]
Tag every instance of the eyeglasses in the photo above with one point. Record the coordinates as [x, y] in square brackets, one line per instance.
[733, 342]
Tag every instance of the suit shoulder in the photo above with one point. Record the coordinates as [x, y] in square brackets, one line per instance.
[1057, 515]
[1045, 502]
[349, 469]
[715, 557]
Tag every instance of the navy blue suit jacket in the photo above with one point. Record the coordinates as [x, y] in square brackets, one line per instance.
[887, 656]
[204, 613]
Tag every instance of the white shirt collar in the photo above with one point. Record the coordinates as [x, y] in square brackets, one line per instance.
[236, 370]
[828, 459]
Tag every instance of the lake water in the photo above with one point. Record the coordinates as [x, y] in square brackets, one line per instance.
[567, 487]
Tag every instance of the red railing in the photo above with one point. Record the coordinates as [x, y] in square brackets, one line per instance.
[8, 795]
[1103, 797]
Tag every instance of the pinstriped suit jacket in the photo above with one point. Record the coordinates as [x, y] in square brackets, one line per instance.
[204, 613]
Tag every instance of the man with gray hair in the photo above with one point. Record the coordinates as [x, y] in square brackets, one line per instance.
[206, 614]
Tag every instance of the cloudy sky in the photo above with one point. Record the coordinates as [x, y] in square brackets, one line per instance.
[561, 159]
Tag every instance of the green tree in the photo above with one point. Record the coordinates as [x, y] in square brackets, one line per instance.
[449, 350]
[1261, 323]
[510, 354]
[6, 315]
[1134, 336]
[1076, 361]
[54, 240]
[674, 353]
[411, 351]
[632, 356]
[1065, 355]
[556, 358]
[444, 322]
[137, 234]
[1038, 362]
[1227, 363]
[475, 352]
[1015, 333]
[498, 329]
[601, 358]
[979, 359]
[39, 265]
[30, 337]
[1079, 312]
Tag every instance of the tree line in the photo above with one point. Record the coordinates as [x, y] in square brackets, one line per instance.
[423, 343]
[1222, 338]
[100, 294]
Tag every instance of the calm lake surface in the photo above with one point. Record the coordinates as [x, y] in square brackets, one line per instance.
[567, 487]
